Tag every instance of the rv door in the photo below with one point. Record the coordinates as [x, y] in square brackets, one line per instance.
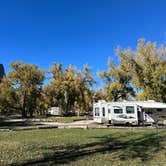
[109, 114]
[140, 115]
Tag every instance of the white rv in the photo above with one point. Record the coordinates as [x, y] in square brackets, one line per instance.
[128, 112]
[54, 111]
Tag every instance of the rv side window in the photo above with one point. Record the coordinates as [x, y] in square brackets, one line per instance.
[109, 111]
[159, 110]
[103, 111]
[130, 110]
[118, 111]
[97, 111]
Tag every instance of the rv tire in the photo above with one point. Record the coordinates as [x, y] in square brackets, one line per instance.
[127, 124]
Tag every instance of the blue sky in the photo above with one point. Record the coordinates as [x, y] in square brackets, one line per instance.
[76, 31]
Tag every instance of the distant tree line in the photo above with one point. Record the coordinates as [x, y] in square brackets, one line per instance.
[140, 74]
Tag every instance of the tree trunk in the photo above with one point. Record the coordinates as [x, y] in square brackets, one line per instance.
[67, 108]
[24, 113]
[23, 110]
[31, 114]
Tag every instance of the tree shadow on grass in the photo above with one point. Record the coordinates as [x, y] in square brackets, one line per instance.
[13, 124]
[131, 146]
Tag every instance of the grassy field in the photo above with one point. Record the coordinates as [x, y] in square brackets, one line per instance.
[112, 147]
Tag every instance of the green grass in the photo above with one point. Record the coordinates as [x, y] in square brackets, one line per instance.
[76, 147]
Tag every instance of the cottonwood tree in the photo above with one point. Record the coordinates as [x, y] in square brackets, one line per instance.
[117, 82]
[147, 66]
[85, 92]
[8, 97]
[70, 88]
[98, 95]
[24, 84]
[63, 86]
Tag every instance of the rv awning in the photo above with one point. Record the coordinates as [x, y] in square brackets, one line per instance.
[152, 105]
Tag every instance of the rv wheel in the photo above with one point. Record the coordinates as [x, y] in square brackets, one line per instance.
[127, 124]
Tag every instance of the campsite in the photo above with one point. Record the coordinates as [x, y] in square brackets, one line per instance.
[82, 83]
[83, 147]
[68, 141]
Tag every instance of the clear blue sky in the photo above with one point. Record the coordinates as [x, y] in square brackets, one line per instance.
[76, 31]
